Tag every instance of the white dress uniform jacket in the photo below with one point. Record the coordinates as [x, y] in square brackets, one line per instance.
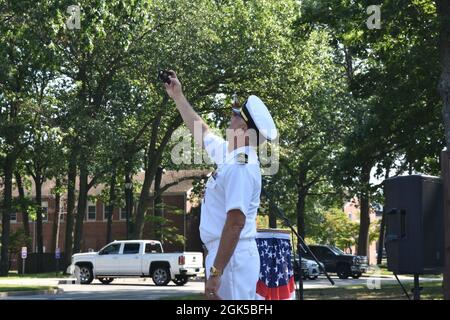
[236, 184]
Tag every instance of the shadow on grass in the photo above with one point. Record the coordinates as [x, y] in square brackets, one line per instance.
[13, 275]
[15, 287]
[430, 291]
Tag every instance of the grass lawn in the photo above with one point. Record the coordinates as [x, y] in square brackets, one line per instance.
[383, 271]
[16, 275]
[15, 287]
[430, 291]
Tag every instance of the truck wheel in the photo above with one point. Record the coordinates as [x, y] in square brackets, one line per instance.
[180, 280]
[161, 276]
[343, 271]
[356, 275]
[86, 275]
[106, 280]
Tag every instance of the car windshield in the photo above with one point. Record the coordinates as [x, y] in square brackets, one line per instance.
[336, 250]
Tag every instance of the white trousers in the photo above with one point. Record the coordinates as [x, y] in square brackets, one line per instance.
[241, 274]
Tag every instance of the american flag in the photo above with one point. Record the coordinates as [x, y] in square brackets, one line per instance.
[276, 277]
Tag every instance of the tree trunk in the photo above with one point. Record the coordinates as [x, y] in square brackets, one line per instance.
[23, 206]
[6, 214]
[301, 197]
[143, 205]
[443, 11]
[128, 199]
[39, 235]
[158, 206]
[55, 229]
[153, 155]
[81, 208]
[363, 238]
[71, 178]
[112, 199]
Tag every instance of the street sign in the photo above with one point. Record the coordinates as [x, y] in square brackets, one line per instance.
[24, 252]
[58, 253]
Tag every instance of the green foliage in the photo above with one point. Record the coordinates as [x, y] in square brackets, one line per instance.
[346, 99]
[335, 228]
[18, 239]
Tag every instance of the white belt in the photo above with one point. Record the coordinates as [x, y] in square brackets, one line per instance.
[213, 244]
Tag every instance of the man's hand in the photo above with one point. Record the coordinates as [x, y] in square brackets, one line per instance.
[211, 288]
[190, 117]
[174, 89]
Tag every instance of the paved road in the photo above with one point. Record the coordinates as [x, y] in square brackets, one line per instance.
[120, 289]
[144, 289]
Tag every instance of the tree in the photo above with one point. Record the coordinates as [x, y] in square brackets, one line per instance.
[443, 13]
[335, 228]
[22, 55]
[394, 107]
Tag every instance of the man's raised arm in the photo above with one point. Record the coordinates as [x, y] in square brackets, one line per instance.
[190, 117]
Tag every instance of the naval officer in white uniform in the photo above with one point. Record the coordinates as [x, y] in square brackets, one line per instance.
[232, 195]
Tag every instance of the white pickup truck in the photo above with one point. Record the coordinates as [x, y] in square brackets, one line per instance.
[136, 258]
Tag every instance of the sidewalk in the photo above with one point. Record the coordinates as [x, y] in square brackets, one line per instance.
[35, 281]
[30, 293]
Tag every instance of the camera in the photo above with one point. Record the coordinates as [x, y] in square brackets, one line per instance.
[164, 76]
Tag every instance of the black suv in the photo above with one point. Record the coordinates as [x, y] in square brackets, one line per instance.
[335, 260]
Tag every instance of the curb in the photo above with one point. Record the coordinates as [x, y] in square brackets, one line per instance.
[69, 281]
[30, 293]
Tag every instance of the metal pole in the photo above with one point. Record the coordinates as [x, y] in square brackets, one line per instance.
[128, 214]
[34, 236]
[417, 288]
[23, 266]
[300, 294]
[58, 217]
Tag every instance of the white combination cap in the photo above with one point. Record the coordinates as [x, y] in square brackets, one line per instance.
[257, 116]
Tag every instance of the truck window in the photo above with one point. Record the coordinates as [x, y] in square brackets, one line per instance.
[153, 248]
[131, 248]
[111, 249]
[319, 252]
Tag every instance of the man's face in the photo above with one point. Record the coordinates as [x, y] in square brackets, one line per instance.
[237, 122]
[237, 125]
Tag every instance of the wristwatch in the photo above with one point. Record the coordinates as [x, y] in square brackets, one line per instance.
[214, 272]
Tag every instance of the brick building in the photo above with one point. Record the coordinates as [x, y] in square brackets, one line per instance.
[178, 208]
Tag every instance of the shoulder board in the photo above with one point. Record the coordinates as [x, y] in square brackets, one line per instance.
[242, 158]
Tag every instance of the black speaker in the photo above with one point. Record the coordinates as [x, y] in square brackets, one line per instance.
[414, 238]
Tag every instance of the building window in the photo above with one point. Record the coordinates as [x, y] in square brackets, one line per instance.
[123, 214]
[13, 217]
[107, 210]
[92, 211]
[44, 206]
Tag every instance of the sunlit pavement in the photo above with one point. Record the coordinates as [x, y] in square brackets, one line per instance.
[120, 289]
